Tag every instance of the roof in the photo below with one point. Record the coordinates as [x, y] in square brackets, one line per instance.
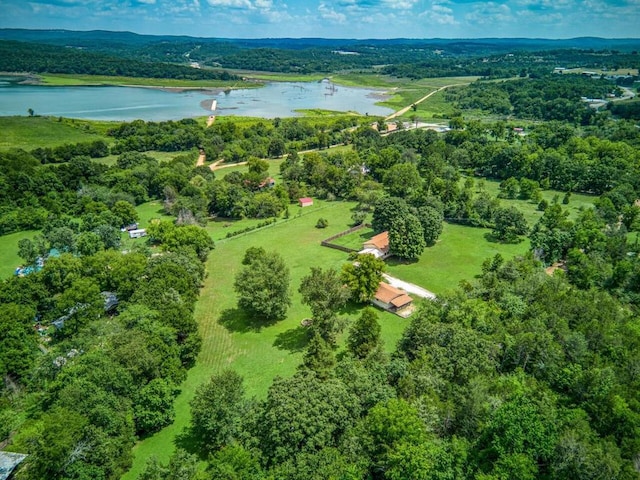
[389, 294]
[380, 241]
[401, 301]
[8, 462]
[306, 199]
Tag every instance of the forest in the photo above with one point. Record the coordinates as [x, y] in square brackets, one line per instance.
[514, 373]
[155, 56]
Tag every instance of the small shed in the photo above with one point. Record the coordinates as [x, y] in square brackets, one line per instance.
[137, 233]
[305, 201]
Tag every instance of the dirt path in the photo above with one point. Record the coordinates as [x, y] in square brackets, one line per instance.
[217, 165]
[404, 110]
[201, 159]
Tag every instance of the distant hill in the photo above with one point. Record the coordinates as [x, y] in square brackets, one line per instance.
[91, 38]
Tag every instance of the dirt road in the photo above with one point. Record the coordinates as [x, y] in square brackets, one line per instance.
[404, 110]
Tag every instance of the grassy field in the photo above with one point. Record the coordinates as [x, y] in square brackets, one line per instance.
[89, 80]
[31, 132]
[232, 340]
[9, 252]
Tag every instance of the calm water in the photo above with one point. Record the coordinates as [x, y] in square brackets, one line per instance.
[129, 103]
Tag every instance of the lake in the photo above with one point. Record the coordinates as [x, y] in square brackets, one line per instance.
[278, 99]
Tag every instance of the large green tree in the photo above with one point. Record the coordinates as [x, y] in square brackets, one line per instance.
[263, 286]
[406, 237]
[216, 411]
[364, 335]
[363, 276]
[325, 293]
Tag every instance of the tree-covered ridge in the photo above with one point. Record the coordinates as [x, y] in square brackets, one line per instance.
[39, 58]
[412, 58]
[550, 97]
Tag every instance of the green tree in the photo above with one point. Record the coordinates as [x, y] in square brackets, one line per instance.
[406, 237]
[263, 286]
[153, 405]
[402, 179]
[364, 335]
[81, 304]
[509, 224]
[363, 276]
[27, 251]
[304, 414]
[386, 210]
[324, 292]
[319, 358]
[510, 188]
[88, 243]
[18, 345]
[125, 212]
[217, 409]
[390, 424]
[431, 221]
[234, 462]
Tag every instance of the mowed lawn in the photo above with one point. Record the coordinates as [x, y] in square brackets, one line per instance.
[9, 252]
[256, 350]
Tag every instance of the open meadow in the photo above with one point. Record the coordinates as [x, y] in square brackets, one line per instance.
[28, 133]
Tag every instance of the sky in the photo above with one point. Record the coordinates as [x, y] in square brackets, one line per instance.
[333, 18]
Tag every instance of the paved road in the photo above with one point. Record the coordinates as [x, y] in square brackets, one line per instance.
[409, 287]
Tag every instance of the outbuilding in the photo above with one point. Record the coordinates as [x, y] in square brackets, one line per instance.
[305, 201]
[140, 232]
[393, 300]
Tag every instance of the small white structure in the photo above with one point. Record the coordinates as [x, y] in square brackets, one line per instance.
[140, 232]
[377, 245]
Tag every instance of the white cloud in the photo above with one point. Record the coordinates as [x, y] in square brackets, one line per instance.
[230, 3]
[440, 15]
[328, 13]
[490, 13]
[399, 4]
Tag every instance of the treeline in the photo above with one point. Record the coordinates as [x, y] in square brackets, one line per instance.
[30, 193]
[233, 142]
[552, 97]
[629, 110]
[515, 63]
[39, 58]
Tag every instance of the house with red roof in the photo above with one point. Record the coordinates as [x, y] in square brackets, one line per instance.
[393, 300]
[377, 245]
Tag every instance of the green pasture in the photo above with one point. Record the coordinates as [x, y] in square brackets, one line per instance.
[28, 133]
[9, 259]
[260, 352]
[231, 339]
[577, 202]
[434, 107]
[457, 255]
